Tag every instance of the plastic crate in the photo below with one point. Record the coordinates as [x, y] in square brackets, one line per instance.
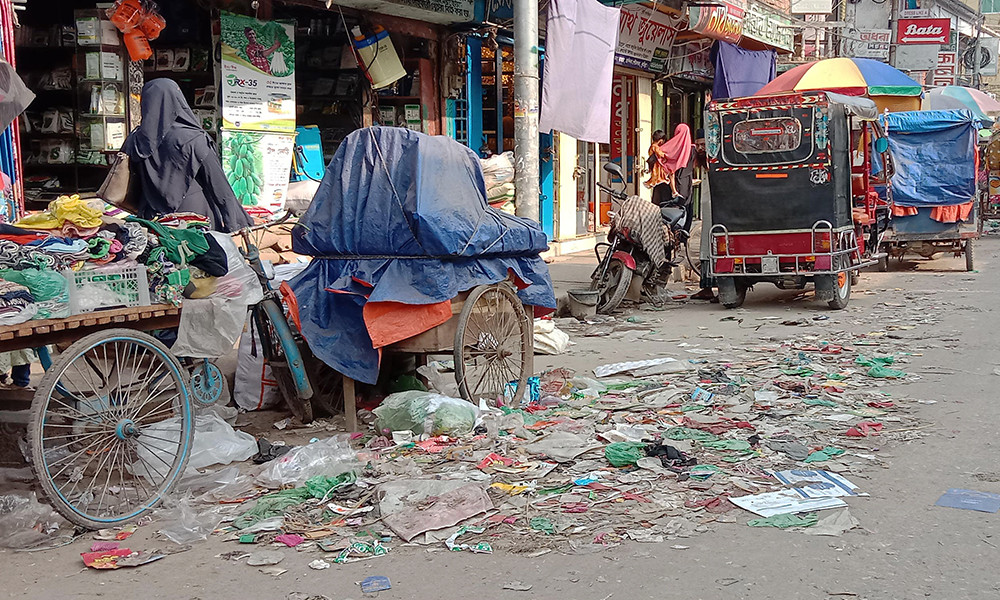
[107, 287]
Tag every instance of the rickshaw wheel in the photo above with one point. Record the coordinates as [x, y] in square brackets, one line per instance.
[614, 287]
[841, 291]
[328, 387]
[111, 428]
[732, 292]
[274, 354]
[970, 256]
[494, 346]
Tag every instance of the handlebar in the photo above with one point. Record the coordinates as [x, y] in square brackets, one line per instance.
[613, 193]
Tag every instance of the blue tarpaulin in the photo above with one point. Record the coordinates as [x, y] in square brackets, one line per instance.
[934, 153]
[402, 217]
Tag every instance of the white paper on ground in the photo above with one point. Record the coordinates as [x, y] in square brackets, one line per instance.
[817, 483]
[622, 367]
[784, 502]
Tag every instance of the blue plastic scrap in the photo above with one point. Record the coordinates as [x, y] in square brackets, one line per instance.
[970, 500]
[375, 583]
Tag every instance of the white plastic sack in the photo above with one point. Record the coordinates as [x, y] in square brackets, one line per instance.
[498, 169]
[426, 413]
[215, 443]
[549, 339]
[440, 378]
[255, 387]
[210, 326]
[504, 190]
[330, 457]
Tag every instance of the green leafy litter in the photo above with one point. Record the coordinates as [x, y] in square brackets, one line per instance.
[727, 445]
[819, 402]
[785, 521]
[824, 454]
[275, 505]
[874, 361]
[886, 372]
[542, 524]
[686, 433]
[624, 454]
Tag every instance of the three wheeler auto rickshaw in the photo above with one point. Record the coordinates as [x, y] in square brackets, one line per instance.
[793, 199]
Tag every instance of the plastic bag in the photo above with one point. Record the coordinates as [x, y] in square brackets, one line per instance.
[182, 523]
[330, 457]
[498, 169]
[215, 442]
[426, 413]
[549, 339]
[27, 523]
[587, 387]
[49, 289]
[255, 387]
[440, 377]
[624, 454]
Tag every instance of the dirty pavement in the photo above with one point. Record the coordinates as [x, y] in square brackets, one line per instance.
[683, 451]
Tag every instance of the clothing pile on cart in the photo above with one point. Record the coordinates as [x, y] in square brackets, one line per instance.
[81, 255]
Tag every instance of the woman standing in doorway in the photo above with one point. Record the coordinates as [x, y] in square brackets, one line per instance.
[673, 170]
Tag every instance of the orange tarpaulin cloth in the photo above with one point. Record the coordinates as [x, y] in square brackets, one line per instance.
[903, 211]
[391, 322]
[951, 214]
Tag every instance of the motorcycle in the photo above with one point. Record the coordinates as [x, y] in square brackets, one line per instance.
[622, 257]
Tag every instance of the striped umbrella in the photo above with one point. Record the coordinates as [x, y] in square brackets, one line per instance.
[848, 76]
[946, 97]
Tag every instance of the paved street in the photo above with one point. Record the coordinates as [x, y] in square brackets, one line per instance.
[905, 547]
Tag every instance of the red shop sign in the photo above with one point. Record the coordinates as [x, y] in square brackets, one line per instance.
[923, 31]
[720, 21]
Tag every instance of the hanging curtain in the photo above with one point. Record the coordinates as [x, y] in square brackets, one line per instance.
[12, 195]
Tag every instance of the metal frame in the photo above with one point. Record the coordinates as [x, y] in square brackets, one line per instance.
[847, 236]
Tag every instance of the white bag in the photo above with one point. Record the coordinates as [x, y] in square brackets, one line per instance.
[255, 386]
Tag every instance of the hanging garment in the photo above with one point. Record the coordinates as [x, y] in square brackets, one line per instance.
[740, 72]
[579, 63]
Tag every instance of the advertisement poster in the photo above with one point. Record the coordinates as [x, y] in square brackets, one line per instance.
[871, 43]
[645, 37]
[258, 74]
[947, 69]
[257, 165]
[923, 31]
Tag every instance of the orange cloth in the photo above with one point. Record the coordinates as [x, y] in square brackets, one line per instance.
[903, 211]
[952, 214]
[391, 322]
[659, 174]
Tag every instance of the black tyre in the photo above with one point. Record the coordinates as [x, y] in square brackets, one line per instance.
[970, 256]
[613, 288]
[732, 291]
[272, 332]
[841, 290]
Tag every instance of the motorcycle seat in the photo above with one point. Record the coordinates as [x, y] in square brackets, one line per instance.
[672, 215]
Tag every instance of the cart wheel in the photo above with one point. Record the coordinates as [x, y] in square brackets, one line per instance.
[271, 335]
[328, 387]
[732, 292]
[841, 290]
[493, 346]
[614, 287]
[208, 384]
[111, 427]
[970, 256]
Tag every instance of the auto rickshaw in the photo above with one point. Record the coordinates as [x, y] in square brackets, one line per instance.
[793, 198]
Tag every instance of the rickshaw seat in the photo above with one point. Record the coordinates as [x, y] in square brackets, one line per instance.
[857, 185]
[860, 216]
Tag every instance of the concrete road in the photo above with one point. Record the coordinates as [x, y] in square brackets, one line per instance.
[906, 549]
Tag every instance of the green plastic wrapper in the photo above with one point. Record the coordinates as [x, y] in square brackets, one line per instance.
[785, 521]
[624, 454]
[46, 286]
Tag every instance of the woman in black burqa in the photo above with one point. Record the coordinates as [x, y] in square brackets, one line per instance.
[175, 165]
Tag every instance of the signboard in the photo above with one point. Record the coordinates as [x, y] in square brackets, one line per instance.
[692, 60]
[258, 165]
[923, 31]
[258, 74]
[909, 9]
[871, 43]
[764, 24]
[720, 21]
[623, 118]
[645, 37]
[442, 12]
[989, 48]
[812, 7]
[916, 57]
[947, 69]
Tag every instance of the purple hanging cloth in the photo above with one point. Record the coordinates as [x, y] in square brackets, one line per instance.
[740, 72]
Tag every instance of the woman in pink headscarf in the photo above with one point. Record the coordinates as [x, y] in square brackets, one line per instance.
[673, 166]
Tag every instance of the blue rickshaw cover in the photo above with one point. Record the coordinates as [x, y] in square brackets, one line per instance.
[401, 216]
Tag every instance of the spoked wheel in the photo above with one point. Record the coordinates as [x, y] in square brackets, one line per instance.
[111, 427]
[613, 288]
[208, 384]
[272, 331]
[328, 387]
[494, 346]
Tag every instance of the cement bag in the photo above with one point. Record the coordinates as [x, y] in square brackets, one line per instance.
[549, 339]
[255, 386]
[498, 169]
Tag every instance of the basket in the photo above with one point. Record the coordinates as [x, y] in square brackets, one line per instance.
[107, 287]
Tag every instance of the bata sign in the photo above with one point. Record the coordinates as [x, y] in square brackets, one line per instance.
[923, 31]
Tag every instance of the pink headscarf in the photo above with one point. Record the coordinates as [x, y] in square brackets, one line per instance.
[676, 152]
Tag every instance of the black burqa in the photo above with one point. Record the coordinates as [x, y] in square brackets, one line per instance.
[175, 164]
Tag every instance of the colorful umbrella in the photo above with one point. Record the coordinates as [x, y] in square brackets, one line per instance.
[849, 76]
[946, 97]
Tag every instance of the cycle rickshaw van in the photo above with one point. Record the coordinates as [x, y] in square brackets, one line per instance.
[793, 198]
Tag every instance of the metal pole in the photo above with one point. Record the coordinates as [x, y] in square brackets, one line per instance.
[526, 104]
[978, 58]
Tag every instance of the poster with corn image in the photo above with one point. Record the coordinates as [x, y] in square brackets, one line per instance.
[257, 73]
[257, 165]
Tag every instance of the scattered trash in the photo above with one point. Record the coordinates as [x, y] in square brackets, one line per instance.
[784, 521]
[289, 539]
[426, 413]
[120, 558]
[357, 551]
[477, 548]
[265, 558]
[835, 523]
[970, 500]
[375, 583]
[319, 564]
[516, 586]
[624, 454]
[182, 521]
[445, 511]
[549, 339]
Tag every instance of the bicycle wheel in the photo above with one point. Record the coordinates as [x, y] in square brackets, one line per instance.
[111, 427]
[493, 346]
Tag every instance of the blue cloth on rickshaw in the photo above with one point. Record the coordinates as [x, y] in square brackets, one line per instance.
[934, 153]
[402, 216]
